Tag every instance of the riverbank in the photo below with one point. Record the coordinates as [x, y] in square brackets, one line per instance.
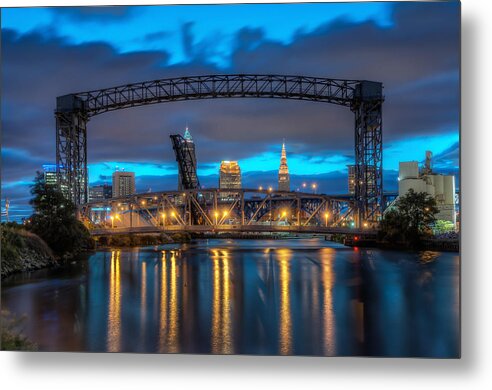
[429, 244]
[135, 240]
[23, 251]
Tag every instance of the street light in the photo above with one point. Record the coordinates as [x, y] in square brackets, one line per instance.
[314, 186]
[326, 218]
[216, 217]
[260, 188]
[270, 189]
[112, 221]
[365, 224]
[163, 215]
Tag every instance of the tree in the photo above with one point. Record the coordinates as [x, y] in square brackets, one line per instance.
[54, 220]
[410, 219]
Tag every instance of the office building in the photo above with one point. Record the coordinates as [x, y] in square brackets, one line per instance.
[123, 184]
[100, 192]
[283, 172]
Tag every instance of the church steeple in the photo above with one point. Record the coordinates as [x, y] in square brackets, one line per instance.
[283, 171]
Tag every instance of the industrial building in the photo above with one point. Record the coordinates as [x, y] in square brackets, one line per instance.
[123, 184]
[283, 172]
[441, 187]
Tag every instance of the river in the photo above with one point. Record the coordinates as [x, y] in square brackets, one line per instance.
[270, 297]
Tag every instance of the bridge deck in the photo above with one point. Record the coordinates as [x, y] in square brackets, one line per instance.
[232, 228]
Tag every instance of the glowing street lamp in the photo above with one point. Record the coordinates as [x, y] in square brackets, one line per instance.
[260, 188]
[304, 185]
[365, 224]
[112, 221]
[216, 217]
[314, 186]
[326, 218]
[270, 189]
[163, 215]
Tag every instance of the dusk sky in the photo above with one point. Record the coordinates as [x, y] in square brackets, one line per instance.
[412, 48]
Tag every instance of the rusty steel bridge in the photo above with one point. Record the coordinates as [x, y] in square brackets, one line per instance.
[215, 210]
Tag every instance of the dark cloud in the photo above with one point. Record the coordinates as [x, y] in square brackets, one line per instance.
[187, 39]
[417, 59]
[95, 14]
[156, 36]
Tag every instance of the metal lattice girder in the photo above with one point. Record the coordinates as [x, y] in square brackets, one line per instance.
[202, 87]
[364, 98]
[367, 107]
[256, 204]
[186, 163]
[71, 149]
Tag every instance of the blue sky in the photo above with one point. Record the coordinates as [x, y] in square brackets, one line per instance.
[412, 48]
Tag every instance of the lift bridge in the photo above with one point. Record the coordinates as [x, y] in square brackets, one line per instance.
[215, 210]
[199, 208]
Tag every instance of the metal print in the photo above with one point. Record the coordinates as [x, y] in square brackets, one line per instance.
[269, 179]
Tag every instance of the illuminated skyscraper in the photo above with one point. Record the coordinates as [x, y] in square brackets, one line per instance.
[230, 175]
[351, 179]
[229, 178]
[123, 184]
[283, 172]
[190, 148]
[49, 171]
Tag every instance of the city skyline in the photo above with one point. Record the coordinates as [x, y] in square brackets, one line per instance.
[421, 112]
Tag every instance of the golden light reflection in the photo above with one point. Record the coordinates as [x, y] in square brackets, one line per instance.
[143, 299]
[222, 337]
[163, 308]
[285, 341]
[173, 335]
[328, 280]
[114, 315]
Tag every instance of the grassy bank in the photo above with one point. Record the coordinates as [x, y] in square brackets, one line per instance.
[22, 250]
[132, 240]
[12, 338]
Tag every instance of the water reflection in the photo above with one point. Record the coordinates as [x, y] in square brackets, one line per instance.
[114, 311]
[163, 305]
[305, 297]
[428, 256]
[221, 332]
[327, 280]
[173, 334]
[143, 299]
[285, 329]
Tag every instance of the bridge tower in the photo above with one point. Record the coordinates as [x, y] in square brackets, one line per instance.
[185, 156]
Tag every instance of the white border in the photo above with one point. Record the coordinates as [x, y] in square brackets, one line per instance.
[125, 371]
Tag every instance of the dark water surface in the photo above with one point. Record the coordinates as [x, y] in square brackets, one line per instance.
[286, 297]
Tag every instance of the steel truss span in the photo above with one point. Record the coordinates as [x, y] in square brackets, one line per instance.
[207, 210]
[364, 98]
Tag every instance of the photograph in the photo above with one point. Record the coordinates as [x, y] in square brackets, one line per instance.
[276, 179]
